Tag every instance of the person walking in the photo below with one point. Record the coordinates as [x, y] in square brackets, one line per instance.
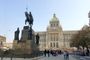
[45, 52]
[48, 53]
[66, 55]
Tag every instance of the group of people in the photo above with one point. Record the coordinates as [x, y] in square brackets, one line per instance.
[46, 52]
[56, 52]
[52, 52]
[84, 52]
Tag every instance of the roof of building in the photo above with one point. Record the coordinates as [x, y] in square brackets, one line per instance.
[2, 36]
[71, 32]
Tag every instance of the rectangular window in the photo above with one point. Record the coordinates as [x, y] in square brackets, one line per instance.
[54, 44]
[57, 44]
[51, 25]
[50, 44]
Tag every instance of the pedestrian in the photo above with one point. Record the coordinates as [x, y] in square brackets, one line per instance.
[48, 53]
[45, 52]
[66, 55]
[87, 52]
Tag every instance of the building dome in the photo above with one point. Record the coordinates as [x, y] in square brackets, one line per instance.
[84, 27]
[54, 24]
[54, 19]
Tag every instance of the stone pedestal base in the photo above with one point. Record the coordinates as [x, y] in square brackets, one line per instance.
[25, 46]
[31, 47]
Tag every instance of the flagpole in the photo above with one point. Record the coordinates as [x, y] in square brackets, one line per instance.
[27, 5]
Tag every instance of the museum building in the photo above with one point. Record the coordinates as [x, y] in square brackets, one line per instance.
[54, 38]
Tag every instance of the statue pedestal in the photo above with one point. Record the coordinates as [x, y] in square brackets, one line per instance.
[15, 44]
[25, 45]
[29, 47]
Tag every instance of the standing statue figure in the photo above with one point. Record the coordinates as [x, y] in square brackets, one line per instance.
[29, 18]
[37, 39]
[16, 36]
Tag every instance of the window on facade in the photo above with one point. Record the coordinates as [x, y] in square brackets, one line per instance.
[1, 43]
[54, 25]
[51, 37]
[50, 44]
[54, 37]
[57, 38]
[57, 44]
[57, 24]
[51, 25]
[54, 44]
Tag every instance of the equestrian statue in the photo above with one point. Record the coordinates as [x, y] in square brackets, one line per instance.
[29, 18]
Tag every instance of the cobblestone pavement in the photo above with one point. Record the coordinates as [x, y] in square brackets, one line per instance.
[82, 57]
[59, 57]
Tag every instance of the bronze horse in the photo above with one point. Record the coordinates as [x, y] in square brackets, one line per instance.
[29, 18]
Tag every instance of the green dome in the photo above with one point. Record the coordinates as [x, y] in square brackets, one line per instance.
[54, 19]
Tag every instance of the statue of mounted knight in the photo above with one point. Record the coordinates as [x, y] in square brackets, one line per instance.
[29, 18]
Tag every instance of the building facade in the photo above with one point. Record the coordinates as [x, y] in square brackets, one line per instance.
[54, 38]
[2, 41]
[8, 45]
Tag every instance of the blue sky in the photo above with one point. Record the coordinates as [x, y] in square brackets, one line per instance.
[73, 14]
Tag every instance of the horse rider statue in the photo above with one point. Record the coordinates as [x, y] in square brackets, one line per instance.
[29, 18]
